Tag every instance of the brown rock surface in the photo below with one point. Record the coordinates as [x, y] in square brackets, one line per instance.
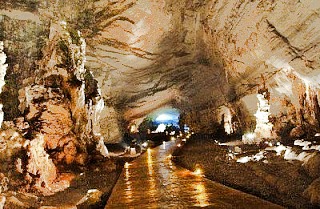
[297, 132]
[42, 173]
[313, 192]
[312, 166]
[206, 58]
[193, 55]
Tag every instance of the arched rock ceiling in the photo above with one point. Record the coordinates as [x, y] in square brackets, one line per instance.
[190, 54]
[168, 62]
[205, 53]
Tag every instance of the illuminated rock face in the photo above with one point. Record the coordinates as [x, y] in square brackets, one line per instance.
[205, 58]
[255, 39]
[60, 104]
[263, 128]
[196, 56]
[3, 69]
[39, 164]
[60, 108]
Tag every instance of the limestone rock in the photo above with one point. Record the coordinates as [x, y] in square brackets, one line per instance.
[297, 132]
[312, 166]
[2, 201]
[11, 142]
[41, 171]
[4, 182]
[40, 164]
[312, 193]
[3, 70]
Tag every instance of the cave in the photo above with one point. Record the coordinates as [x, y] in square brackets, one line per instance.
[113, 103]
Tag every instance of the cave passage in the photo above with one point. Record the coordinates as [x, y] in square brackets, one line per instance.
[98, 82]
[154, 181]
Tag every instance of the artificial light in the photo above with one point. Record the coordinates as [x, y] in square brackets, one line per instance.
[198, 172]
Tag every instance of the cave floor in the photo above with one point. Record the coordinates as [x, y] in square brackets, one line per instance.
[153, 181]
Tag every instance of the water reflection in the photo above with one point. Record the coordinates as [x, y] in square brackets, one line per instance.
[149, 162]
[200, 195]
[151, 179]
[128, 183]
[154, 181]
[164, 145]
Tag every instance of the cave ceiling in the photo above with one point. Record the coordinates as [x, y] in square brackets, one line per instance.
[147, 54]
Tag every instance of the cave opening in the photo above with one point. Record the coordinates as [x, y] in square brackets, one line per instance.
[167, 116]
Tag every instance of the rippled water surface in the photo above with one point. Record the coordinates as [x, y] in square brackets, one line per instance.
[153, 181]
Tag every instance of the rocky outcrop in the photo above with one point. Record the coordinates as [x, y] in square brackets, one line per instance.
[60, 123]
[41, 171]
[312, 192]
[312, 166]
[252, 40]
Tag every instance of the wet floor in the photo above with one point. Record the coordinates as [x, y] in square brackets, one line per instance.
[153, 181]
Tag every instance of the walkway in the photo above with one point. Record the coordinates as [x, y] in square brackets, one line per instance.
[153, 181]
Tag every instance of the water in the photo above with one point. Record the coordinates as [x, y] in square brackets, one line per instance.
[153, 181]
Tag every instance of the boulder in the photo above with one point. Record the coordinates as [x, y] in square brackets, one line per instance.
[297, 132]
[312, 193]
[312, 166]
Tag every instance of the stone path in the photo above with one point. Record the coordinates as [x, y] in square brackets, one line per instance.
[153, 181]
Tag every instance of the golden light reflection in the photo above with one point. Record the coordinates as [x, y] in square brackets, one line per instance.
[169, 161]
[151, 179]
[152, 191]
[149, 162]
[128, 183]
[126, 165]
[200, 195]
[198, 172]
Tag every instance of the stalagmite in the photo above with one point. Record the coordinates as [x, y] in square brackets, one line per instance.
[263, 126]
[227, 119]
[263, 129]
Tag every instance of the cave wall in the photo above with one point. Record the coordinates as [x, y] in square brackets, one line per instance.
[80, 72]
[270, 42]
[59, 120]
[203, 57]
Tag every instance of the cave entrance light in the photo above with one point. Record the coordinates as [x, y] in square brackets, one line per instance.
[165, 119]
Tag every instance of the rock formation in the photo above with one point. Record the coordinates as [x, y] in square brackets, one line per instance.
[203, 57]
[60, 108]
